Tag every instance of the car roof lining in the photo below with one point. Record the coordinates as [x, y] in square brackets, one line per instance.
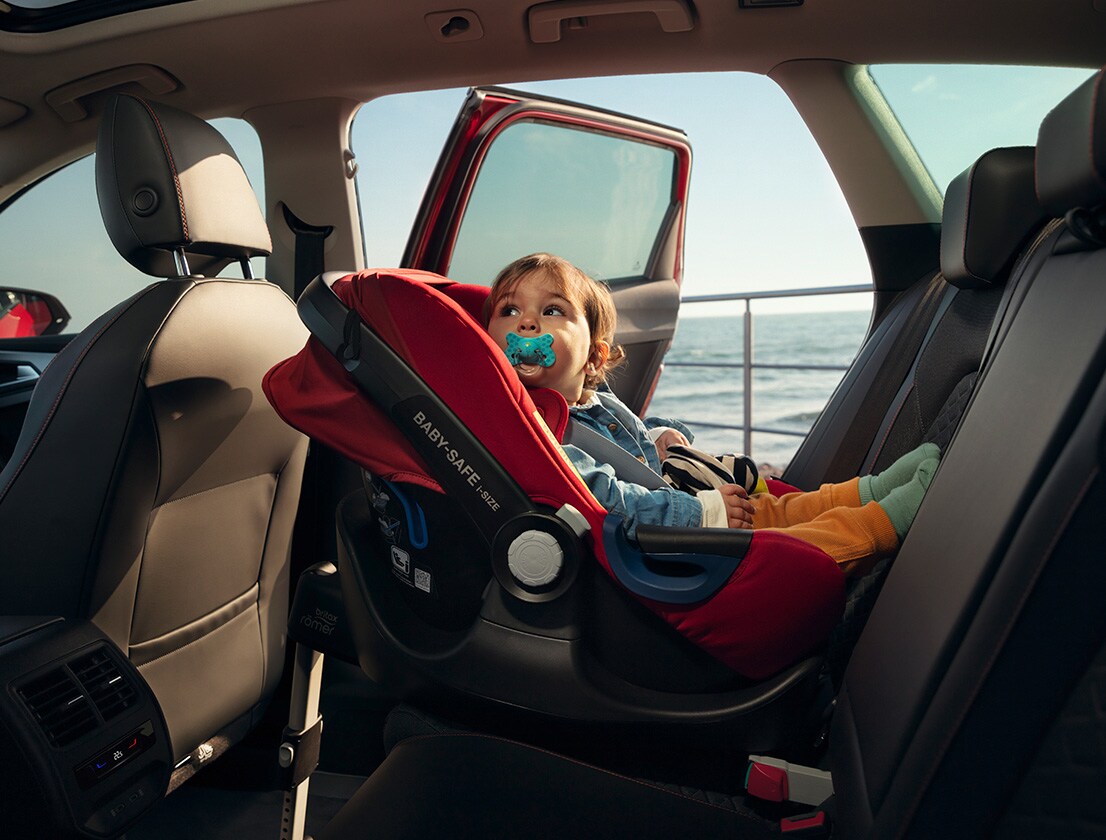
[370, 48]
[368, 45]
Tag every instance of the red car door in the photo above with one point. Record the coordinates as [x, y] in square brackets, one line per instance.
[608, 192]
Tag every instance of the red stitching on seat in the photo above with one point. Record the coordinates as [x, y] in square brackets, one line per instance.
[172, 163]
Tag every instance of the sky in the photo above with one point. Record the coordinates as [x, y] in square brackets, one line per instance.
[764, 210]
[757, 176]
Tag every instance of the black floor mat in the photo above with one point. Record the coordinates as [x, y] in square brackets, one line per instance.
[195, 812]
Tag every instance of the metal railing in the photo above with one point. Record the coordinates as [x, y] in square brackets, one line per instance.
[747, 365]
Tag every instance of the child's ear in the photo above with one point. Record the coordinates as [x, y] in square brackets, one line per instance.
[600, 351]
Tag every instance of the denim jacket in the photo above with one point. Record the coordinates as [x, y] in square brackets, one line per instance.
[610, 417]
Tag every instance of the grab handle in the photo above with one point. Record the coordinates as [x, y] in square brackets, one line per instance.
[545, 18]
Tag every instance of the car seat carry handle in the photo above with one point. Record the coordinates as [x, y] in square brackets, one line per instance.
[458, 461]
[663, 569]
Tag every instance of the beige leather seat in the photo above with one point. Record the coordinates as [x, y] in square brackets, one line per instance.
[153, 489]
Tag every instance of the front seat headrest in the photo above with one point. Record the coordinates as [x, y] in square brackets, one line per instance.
[1071, 150]
[990, 209]
[168, 182]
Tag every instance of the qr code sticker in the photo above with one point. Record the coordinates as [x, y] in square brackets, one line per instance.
[422, 580]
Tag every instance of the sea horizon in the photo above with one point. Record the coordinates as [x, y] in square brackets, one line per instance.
[783, 399]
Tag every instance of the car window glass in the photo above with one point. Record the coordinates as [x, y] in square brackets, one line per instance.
[765, 213]
[757, 176]
[954, 113]
[52, 238]
[592, 198]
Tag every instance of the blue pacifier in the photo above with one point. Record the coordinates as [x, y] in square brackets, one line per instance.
[537, 350]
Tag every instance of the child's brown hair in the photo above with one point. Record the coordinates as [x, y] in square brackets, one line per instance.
[590, 295]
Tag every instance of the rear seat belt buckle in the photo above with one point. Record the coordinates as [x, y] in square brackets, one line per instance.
[774, 780]
[766, 782]
[812, 825]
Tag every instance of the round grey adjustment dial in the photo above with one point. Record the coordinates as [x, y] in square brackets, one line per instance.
[535, 558]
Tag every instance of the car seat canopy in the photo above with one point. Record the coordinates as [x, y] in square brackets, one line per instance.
[457, 361]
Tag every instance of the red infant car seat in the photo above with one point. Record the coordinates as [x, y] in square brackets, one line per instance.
[400, 377]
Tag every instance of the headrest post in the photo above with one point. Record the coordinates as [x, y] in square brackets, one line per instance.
[180, 262]
[247, 268]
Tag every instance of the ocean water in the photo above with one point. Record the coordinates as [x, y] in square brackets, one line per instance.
[782, 399]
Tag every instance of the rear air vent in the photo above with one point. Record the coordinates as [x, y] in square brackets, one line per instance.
[104, 683]
[60, 707]
[65, 700]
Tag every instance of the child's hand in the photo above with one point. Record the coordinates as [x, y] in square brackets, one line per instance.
[739, 510]
[667, 438]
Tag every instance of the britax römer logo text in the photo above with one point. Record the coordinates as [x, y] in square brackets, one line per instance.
[323, 621]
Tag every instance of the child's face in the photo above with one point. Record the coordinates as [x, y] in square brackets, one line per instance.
[536, 306]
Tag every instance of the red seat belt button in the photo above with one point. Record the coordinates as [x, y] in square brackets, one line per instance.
[766, 782]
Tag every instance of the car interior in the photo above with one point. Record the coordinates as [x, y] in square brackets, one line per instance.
[272, 566]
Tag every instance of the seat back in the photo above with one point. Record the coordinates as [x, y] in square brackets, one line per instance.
[165, 485]
[984, 649]
[919, 362]
[994, 238]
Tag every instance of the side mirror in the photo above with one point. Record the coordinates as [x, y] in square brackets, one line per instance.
[25, 313]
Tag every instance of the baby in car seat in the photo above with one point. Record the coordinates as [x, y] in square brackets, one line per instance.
[557, 325]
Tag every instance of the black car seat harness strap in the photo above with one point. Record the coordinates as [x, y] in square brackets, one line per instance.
[606, 451]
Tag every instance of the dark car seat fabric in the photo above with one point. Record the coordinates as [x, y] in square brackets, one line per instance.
[778, 605]
[997, 600]
[161, 485]
[994, 238]
[990, 240]
[475, 786]
[972, 706]
[452, 786]
[920, 361]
